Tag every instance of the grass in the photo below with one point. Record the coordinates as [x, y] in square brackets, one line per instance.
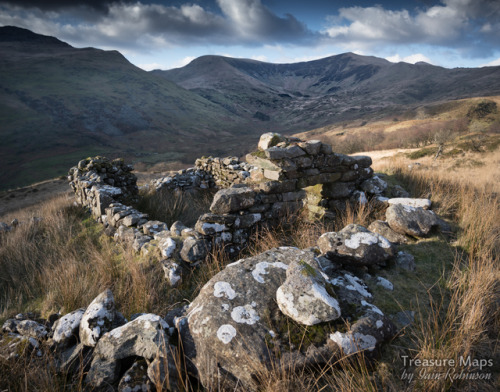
[64, 261]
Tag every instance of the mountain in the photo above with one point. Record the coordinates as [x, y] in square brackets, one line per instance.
[59, 104]
[312, 94]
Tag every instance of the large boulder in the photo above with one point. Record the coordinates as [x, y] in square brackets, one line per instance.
[408, 201]
[409, 220]
[356, 245]
[232, 317]
[235, 329]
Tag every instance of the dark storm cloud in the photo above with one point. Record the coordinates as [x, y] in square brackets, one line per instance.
[61, 4]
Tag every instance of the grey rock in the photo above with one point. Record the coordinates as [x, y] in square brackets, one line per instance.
[177, 227]
[143, 337]
[407, 201]
[230, 317]
[356, 245]
[173, 272]
[306, 296]
[194, 250]
[399, 191]
[232, 199]
[404, 318]
[269, 139]
[338, 190]
[405, 261]
[410, 220]
[365, 335]
[66, 329]
[74, 359]
[97, 319]
[154, 227]
[293, 151]
[32, 329]
[374, 185]
[383, 228]
[312, 147]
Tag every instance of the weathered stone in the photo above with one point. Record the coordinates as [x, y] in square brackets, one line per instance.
[164, 371]
[374, 185]
[405, 261]
[65, 330]
[306, 296]
[232, 199]
[410, 220]
[383, 228]
[362, 160]
[194, 250]
[177, 227]
[153, 227]
[30, 328]
[293, 151]
[356, 245]
[143, 337]
[74, 359]
[269, 139]
[399, 191]
[422, 203]
[173, 272]
[365, 335]
[97, 319]
[338, 190]
[278, 186]
[275, 175]
[312, 147]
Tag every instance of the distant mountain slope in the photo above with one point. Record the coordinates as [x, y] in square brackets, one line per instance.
[316, 93]
[59, 104]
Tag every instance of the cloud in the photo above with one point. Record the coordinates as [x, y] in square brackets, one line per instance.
[493, 63]
[146, 27]
[61, 4]
[471, 26]
[412, 59]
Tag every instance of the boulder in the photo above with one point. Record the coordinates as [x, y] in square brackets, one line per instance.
[143, 337]
[306, 296]
[232, 317]
[98, 318]
[65, 330]
[383, 228]
[407, 201]
[173, 272]
[232, 199]
[409, 220]
[356, 245]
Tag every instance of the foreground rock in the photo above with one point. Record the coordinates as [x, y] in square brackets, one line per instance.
[409, 220]
[356, 245]
[242, 312]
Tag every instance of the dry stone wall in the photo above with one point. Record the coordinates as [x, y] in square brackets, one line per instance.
[282, 177]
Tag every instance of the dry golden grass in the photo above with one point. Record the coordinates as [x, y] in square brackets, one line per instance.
[64, 261]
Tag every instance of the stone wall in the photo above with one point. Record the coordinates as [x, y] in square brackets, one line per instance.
[282, 177]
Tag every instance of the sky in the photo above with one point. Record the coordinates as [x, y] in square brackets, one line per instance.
[164, 34]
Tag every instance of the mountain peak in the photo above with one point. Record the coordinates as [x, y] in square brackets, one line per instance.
[19, 35]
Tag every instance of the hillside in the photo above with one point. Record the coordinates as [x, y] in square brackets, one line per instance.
[311, 94]
[58, 104]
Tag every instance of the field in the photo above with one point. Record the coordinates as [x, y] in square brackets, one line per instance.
[63, 261]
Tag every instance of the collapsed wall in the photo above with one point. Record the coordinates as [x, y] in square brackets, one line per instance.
[281, 177]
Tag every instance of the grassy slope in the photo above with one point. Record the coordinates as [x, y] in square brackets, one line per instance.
[56, 109]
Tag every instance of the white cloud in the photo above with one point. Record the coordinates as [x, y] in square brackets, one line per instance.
[151, 66]
[412, 59]
[493, 63]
